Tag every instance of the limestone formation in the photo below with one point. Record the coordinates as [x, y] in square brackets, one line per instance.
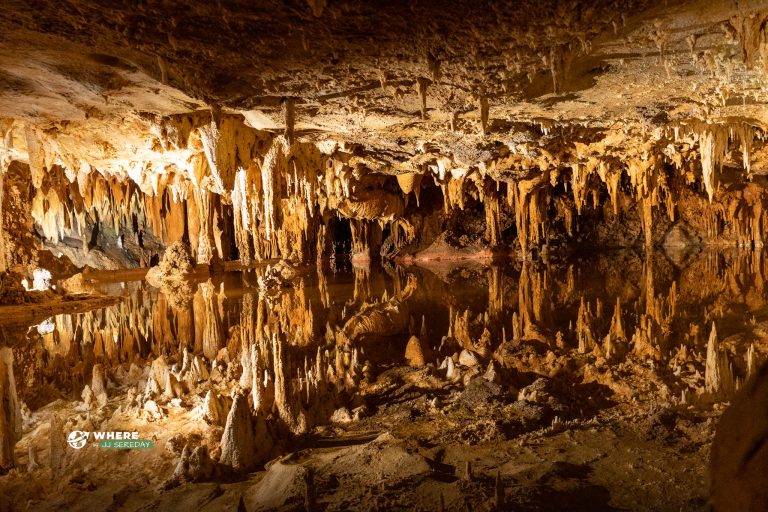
[194, 465]
[414, 352]
[98, 380]
[10, 414]
[177, 263]
[213, 411]
[57, 443]
[32, 463]
[486, 228]
[245, 443]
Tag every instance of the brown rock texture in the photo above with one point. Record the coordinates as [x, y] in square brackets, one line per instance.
[739, 462]
[525, 238]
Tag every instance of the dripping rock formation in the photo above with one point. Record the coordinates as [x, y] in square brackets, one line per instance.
[341, 255]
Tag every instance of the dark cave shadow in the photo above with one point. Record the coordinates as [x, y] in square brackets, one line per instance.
[554, 100]
[585, 498]
[564, 487]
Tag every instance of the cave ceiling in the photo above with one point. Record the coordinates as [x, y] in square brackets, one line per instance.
[398, 84]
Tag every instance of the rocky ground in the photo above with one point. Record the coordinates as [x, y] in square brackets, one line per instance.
[417, 441]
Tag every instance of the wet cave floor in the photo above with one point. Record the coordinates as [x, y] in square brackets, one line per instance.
[577, 384]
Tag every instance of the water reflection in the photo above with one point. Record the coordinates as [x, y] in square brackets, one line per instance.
[304, 347]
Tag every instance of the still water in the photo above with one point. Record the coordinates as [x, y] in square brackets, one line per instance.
[610, 304]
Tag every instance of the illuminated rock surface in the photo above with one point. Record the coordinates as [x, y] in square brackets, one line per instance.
[336, 255]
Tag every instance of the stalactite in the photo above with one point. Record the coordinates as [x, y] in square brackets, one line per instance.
[274, 164]
[492, 216]
[753, 39]
[289, 118]
[410, 182]
[205, 237]
[37, 157]
[559, 63]
[714, 144]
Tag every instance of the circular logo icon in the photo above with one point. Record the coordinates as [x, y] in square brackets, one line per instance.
[77, 439]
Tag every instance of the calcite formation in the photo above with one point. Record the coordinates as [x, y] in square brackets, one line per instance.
[343, 157]
[10, 415]
[616, 116]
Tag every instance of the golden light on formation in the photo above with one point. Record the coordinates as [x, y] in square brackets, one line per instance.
[336, 255]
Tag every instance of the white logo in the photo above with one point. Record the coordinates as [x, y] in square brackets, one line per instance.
[77, 439]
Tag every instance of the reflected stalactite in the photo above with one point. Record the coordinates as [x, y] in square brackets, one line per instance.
[584, 328]
[533, 303]
[495, 294]
[386, 318]
[362, 292]
[322, 287]
[270, 358]
[301, 356]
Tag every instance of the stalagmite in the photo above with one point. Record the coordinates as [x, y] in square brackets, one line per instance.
[499, 493]
[467, 358]
[712, 376]
[98, 380]
[245, 443]
[258, 168]
[415, 353]
[32, 463]
[609, 347]
[213, 411]
[57, 443]
[195, 466]
[10, 415]
[617, 329]
[172, 388]
[751, 361]
[310, 494]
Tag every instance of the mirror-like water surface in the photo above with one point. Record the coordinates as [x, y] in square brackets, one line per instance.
[612, 305]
